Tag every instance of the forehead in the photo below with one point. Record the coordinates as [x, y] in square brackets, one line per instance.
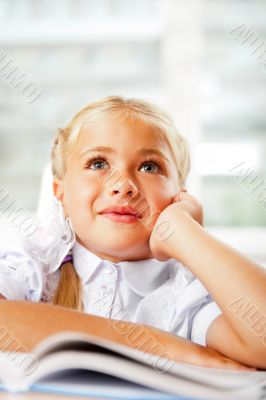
[121, 133]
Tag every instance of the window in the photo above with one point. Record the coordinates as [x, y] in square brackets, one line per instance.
[196, 59]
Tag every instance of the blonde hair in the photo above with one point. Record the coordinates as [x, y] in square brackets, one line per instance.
[68, 292]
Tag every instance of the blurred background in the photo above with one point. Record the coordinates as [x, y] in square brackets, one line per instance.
[204, 61]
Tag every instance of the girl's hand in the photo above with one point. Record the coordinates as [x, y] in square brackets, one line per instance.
[163, 228]
[189, 205]
[207, 357]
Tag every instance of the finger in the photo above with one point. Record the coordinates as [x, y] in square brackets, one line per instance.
[176, 198]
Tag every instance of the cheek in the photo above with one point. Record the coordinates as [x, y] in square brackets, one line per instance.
[80, 195]
[161, 195]
[157, 198]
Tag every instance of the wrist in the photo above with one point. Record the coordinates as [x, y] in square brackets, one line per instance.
[180, 234]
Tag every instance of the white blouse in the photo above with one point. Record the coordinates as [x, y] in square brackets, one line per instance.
[164, 294]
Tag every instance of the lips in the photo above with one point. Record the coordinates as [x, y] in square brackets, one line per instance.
[121, 210]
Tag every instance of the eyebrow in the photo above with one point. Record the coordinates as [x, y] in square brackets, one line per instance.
[144, 152]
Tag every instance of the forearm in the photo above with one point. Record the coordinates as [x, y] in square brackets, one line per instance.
[29, 323]
[227, 275]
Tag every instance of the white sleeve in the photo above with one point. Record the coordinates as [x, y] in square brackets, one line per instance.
[21, 277]
[202, 320]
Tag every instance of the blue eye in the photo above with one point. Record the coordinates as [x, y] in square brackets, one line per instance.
[151, 164]
[96, 161]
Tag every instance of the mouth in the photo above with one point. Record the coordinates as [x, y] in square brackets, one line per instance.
[126, 218]
[123, 214]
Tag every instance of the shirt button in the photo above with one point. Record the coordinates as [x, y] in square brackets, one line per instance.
[108, 269]
[106, 289]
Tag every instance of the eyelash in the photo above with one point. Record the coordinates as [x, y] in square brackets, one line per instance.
[101, 157]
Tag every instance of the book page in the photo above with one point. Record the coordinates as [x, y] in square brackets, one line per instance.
[215, 377]
[67, 361]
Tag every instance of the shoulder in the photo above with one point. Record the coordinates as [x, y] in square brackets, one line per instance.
[25, 261]
[20, 273]
[173, 304]
[11, 245]
[47, 245]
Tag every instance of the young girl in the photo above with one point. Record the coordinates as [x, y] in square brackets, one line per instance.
[126, 243]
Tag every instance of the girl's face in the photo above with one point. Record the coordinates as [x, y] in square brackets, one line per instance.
[135, 168]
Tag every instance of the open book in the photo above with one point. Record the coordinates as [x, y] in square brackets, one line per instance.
[75, 363]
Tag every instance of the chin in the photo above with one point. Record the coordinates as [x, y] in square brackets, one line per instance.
[121, 247]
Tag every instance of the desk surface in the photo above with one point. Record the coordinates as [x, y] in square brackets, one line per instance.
[43, 396]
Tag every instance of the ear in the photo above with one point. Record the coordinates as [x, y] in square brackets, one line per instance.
[58, 189]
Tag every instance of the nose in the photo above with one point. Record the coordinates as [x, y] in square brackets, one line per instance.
[124, 189]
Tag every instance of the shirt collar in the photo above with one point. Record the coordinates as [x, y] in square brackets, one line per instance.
[142, 276]
[85, 262]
